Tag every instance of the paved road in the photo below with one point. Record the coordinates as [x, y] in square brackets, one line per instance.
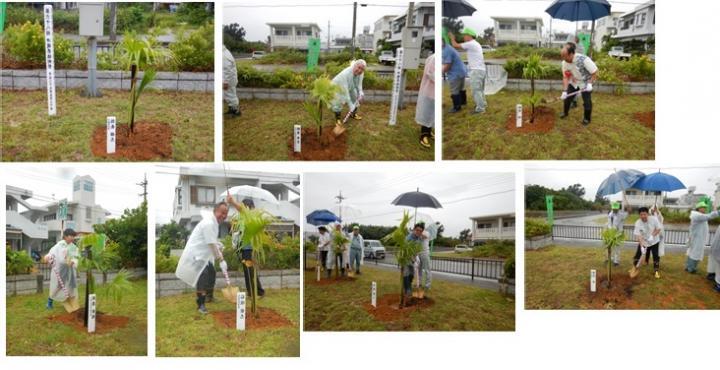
[490, 284]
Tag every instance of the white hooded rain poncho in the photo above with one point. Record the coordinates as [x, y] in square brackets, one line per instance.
[198, 251]
[699, 230]
[230, 77]
[425, 109]
[60, 257]
[714, 258]
[350, 86]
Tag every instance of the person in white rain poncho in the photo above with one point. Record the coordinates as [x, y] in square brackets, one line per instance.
[714, 261]
[230, 81]
[425, 109]
[423, 261]
[699, 230]
[350, 81]
[616, 220]
[324, 242]
[655, 212]
[196, 266]
[63, 259]
[340, 258]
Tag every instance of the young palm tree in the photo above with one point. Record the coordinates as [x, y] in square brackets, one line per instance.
[612, 238]
[323, 92]
[136, 90]
[406, 249]
[339, 244]
[534, 69]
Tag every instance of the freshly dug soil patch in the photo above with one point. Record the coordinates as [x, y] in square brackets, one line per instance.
[646, 118]
[269, 318]
[619, 296]
[326, 148]
[103, 323]
[388, 307]
[544, 121]
[150, 141]
[333, 280]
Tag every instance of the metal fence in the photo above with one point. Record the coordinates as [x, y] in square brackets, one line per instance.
[472, 267]
[44, 270]
[672, 236]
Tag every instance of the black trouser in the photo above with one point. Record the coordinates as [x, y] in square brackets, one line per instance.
[323, 258]
[249, 273]
[587, 102]
[425, 131]
[654, 249]
[408, 275]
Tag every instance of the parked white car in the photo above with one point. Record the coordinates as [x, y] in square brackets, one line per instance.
[386, 57]
[257, 54]
[619, 53]
[374, 249]
[487, 48]
[460, 248]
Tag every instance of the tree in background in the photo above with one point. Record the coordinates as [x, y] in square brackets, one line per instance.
[196, 13]
[173, 235]
[465, 234]
[488, 37]
[234, 40]
[453, 25]
[563, 199]
[130, 233]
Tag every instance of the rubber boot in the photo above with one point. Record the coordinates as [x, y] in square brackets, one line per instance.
[234, 111]
[463, 97]
[456, 103]
[49, 304]
[354, 115]
[210, 297]
[711, 276]
[338, 120]
[587, 116]
[201, 304]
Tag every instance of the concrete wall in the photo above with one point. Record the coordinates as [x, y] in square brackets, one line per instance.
[247, 93]
[556, 85]
[167, 284]
[32, 284]
[16, 79]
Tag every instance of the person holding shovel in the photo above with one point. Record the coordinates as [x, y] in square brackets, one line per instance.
[334, 257]
[423, 261]
[699, 230]
[356, 249]
[616, 220]
[476, 66]
[455, 72]
[579, 74]
[417, 235]
[230, 81]
[351, 93]
[63, 259]
[324, 242]
[655, 212]
[647, 231]
[425, 108]
[246, 252]
[196, 265]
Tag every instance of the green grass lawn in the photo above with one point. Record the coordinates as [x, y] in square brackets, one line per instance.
[613, 133]
[182, 331]
[558, 277]
[30, 333]
[29, 134]
[263, 131]
[458, 307]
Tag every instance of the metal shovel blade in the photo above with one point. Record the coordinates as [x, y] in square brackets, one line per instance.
[71, 304]
[338, 130]
[230, 293]
[634, 272]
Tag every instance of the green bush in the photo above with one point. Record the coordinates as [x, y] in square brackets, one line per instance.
[523, 51]
[287, 256]
[284, 56]
[193, 51]
[26, 44]
[536, 227]
[66, 20]
[195, 13]
[509, 267]
[165, 264]
[129, 19]
[17, 262]
[515, 67]
[494, 249]
[638, 68]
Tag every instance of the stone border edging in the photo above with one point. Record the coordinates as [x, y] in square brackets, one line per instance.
[167, 284]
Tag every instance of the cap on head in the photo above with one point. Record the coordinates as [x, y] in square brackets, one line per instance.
[469, 31]
[69, 232]
[356, 227]
[616, 205]
[701, 205]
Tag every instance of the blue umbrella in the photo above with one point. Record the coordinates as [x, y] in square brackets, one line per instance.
[619, 181]
[321, 217]
[659, 181]
[579, 10]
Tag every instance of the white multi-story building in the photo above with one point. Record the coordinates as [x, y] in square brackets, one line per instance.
[364, 40]
[292, 35]
[199, 189]
[638, 24]
[493, 227]
[22, 232]
[383, 29]
[518, 30]
[605, 26]
[423, 16]
[643, 198]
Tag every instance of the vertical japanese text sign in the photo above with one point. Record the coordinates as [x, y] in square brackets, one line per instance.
[92, 312]
[397, 86]
[240, 312]
[49, 59]
[111, 137]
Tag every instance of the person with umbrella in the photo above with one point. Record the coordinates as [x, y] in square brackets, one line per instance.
[579, 74]
[245, 252]
[324, 241]
[418, 235]
[455, 72]
[699, 230]
[646, 233]
[356, 248]
[616, 220]
[476, 66]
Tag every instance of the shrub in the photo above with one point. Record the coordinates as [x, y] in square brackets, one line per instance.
[193, 51]
[285, 255]
[249, 76]
[515, 67]
[194, 13]
[509, 267]
[536, 227]
[495, 249]
[19, 13]
[523, 51]
[66, 20]
[129, 19]
[26, 43]
[17, 262]
[165, 264]
[284, 56]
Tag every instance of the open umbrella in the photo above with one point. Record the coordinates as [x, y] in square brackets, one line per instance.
[619, 181]
[262, 199]
[580, 10]
[659, 181]
[416, 199]
[457, 9]
[321, 217]
[346, 211]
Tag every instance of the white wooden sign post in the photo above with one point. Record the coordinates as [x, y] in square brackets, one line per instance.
[240, 312]
[92, 312]
[318, 272]
[518, 115]
[111, 137]
[373, 295]
[593, 281]
[397, 86]
[298, 138]
[49, 59]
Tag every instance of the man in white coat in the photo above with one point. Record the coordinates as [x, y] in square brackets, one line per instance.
[196, 266]
[230, 81]
[714, 261]
[324, 241]
[63, 259]
[699, 230]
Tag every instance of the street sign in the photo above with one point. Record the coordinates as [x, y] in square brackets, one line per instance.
[49, 59]
[549, 207]
[62, 209]
[313, 54]
[373, 295]
[111, 137]
[3, 8]
[397, 86]
[298, 138]
[240, 311]
[518, 115]
[92, 312]
[593, 281]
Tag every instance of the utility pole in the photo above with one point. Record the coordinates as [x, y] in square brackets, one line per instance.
[403, 80]
[144, 185]
[328, 44]
[353, 28]
[340, 199]
[113, 21]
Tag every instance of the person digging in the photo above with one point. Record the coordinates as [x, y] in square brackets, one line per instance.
[476, 67]
[579, 74]
[419, 235]
[356, 249]
[699, 230]
[647, 234]
[350, 81]
[196, 265]
[246, 253]
[63, 260]
[230, 81]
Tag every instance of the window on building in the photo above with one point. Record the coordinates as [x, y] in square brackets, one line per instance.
[505, 26]
[202, 195]
[508, 223]
[484, 225]
[528, 27]
[303, 32]
[178, 191]
[641, 19]
[88, 213]
[282, 32]
[49, 217]
[76, 186]
[69, 217]
[88, 186]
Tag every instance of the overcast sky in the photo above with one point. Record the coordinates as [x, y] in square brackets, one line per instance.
[590, 176]
[253, 15]
[115, 186]
[462, 196]
[519, 8]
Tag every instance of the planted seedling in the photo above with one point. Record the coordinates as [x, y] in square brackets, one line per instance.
[406, 249]
[534, 69]
[612, 238]
[323, 92]
[136, 91]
